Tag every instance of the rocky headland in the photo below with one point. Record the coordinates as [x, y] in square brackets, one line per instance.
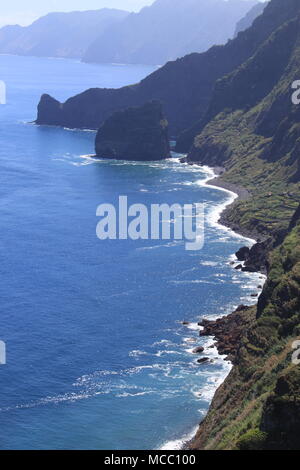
[138, 134]
[234, 106]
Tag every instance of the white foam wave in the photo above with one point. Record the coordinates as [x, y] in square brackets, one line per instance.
[178, 444]
[209, 263]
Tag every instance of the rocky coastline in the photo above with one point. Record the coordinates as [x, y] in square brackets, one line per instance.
[228, 331]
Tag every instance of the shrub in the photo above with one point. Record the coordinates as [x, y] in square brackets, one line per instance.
[252, 440]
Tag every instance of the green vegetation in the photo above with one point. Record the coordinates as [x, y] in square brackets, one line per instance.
[252, 440]
[254, 132]
[256, 137]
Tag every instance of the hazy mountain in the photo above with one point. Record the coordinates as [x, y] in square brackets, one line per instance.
[59, 34]
[169, 29]
[184, 86]
[248, 19]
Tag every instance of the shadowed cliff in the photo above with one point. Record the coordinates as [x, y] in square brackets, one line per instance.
[139, 134]
[252, 128]
[59, 34]
[168, 29]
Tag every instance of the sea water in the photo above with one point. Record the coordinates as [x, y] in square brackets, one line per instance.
[97, 356]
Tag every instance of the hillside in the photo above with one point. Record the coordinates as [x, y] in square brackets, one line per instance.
[252, 128]
[168, 29]
[184, 86]
[58, 34]
[258, 406]
[253, 131]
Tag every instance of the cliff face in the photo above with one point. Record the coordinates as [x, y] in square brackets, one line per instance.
[184, 86]
[252, 129]
[59, 34]
[258, 406]
[168, 29]
[139, 134]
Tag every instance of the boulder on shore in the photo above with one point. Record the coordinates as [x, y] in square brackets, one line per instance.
[203, 360]
[138, 134]
[198, 350]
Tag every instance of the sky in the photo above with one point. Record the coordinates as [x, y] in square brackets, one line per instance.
[25, 12]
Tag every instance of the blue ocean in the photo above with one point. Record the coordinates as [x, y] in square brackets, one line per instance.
[97, 355]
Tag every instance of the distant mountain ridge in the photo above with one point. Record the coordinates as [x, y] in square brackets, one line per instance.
[184, 86]
[164, 31]
[59, 34]
[168, 29]
[248, 19]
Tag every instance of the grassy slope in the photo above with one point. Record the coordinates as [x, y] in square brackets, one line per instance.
[257, 140]
[263, 388]
[238, 138]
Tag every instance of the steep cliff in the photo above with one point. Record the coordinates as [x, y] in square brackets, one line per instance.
[184, 86]
[139, 134]
[252, 129]
[258, 406]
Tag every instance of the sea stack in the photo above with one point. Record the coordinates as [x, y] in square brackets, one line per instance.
[138, 134]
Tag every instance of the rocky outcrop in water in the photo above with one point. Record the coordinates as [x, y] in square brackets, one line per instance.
[228, 330]
[256, 258]
[139, 134]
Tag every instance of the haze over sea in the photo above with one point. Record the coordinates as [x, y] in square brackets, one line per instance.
[96, 355]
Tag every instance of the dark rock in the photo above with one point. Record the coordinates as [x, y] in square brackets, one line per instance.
[198, 350]
[48, 110]
[249, 269]
[185, 86]
[229, 330]
[242, 308]
[248, 19]
[203, 360]
[139, 134]
[256, 258]
[243, 253]
[239, 267]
